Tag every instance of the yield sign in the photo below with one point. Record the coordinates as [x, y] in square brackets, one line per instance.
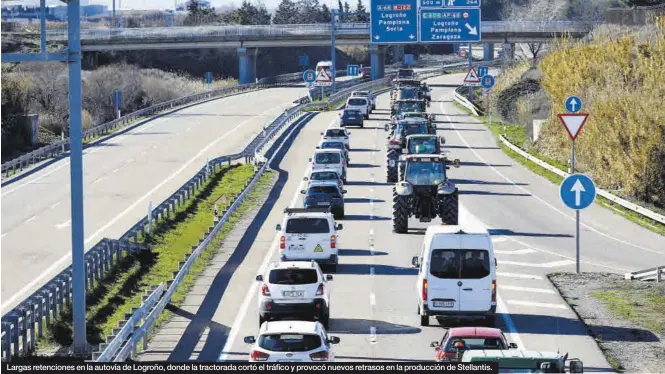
[322, 76]
[573, 123]
[472, 76]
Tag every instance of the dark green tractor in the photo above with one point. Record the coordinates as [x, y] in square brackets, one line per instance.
[519, 361]
[397, 141]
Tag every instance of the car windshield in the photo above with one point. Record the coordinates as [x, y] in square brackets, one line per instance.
[460, 264]
[307, 226]
[334, 133]
[425, 173]
[357, 102]
[425, 145]
[333, 145]
[409, 107]
[293, 276]
[327, 158]
[324, 176]
[477, 342]
[289, 342]
[409, 93]
[332, 190]
[412, 128]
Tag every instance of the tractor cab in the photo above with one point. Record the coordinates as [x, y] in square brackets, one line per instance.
[519, 361]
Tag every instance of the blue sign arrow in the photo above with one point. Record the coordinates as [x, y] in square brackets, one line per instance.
[482, 71]
[309, 76]
[352, 70]
[577, 191]
[393, 21]
[450, 25]
[487, 81]
[573, 104]
[303, 60]
[116, 99]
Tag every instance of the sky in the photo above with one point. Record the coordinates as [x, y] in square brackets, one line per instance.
[169, 4]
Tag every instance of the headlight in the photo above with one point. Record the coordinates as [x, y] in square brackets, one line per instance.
[446, 188]
[404, 188]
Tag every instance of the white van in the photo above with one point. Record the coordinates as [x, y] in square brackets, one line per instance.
[361, 104]
[457, 274]
[331, 159]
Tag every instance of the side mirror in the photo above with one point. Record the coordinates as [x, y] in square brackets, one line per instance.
[305, 179]
[278, 227]
[386, 127]
[576, 366]
[496, 264]
[303, 192]
[329, 277]
[310, 159]
[512, 345]
[456, 162]
[415, 262]
[321, 133]
[343, 192]
[442, 140]
[434, 344]
[339, 226]
[317, 147]
[333, 340]
[259, 278]
[249, 340]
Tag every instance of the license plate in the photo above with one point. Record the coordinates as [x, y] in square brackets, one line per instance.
[289, 360]
[293, 293]
[391, 162]
[444, 304]
[324, 203]
[294, 248]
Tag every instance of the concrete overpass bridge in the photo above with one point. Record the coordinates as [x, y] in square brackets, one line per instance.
[248, 38]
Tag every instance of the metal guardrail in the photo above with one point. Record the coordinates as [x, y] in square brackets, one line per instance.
[58, 148]
[27, 321]
[608, 195]
[283, 122]
[657, 274]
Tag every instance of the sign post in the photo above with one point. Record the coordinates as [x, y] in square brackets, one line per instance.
[487, 81]
[575, 184]
[116, 102]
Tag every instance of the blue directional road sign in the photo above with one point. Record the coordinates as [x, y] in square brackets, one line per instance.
[208, 77]
[352, 70]
[482, 71]
[450, 25]
[116, 99]
[303, 60]
[408, 59]
[577, 191]
[573, 104]
[309, 76]
[393, 21]
[487, 81]
[450, 3]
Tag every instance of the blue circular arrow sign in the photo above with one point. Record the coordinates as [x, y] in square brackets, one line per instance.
[573, 104]
[577, 191]
[309, 76]
[487, 81]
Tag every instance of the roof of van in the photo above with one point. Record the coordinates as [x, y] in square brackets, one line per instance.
[456, 229]
[328, 150]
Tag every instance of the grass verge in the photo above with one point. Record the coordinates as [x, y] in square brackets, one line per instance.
[123, 288]
[517, 136]
[632, 302]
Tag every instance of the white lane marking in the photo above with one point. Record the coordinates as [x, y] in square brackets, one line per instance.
[532, 303]
[371, 232]
[130, 160]
[527, 289]
[372, 299]
[67, 223]
[144, 153]
[514, 252]
[552, 264]
[54, 205]
[115, 170]
[120, 215]
[371, 190]
[535, 196]
[242, 312]
[30, 220]
[508, 321]
[189, 128]
[97, 180]
[498, 239]
[371, 249]
[371, 271]
[3, 235]
[372, 335]
[522, 276]
[154, 147]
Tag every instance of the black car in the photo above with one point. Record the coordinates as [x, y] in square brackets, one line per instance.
[351, 118]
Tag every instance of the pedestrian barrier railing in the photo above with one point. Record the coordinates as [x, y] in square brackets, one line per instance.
[61, 147]
[23, 324]
[657, 274]
[606, 194]
[280, 125]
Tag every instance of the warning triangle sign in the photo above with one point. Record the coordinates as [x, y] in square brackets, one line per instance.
[318, 248]
[472, 76]
[323, 76]
[573, 123]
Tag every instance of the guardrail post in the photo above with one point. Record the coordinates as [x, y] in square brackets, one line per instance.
[150, 216]
[659, 274]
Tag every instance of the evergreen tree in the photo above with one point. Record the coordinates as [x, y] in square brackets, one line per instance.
[325, 14]
[360, 8]
[286, 13]
[347, 7]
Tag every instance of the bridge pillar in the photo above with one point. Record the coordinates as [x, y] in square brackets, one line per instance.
[398, 53]
[377, 57]
[488, 52]
[456, 47]
[247, 65]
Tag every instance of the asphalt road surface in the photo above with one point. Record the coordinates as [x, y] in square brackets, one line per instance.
[121, 176]
[373, 302]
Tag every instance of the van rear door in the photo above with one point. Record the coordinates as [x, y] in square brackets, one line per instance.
[475, 273]
[307, 238]
[443, 291]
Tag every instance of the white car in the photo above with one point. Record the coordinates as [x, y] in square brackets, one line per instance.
[309, 234]
[340, 134]
[292, 341]
[294, 289]
[361, 104]
[324, 175]
[370, 96]
[329, 159]
[335, 144]
[457, 274]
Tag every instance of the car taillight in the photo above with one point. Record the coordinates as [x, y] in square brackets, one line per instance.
[258, 356]
[309, 198]
[319, 356]
[265, 291]
[494, 291]
[424, 291]
[347, 106]
[394, 141]
[282, 242]
[319, 291]
[333, 240]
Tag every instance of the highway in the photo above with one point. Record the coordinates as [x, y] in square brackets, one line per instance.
[121, 175]
[373, 302]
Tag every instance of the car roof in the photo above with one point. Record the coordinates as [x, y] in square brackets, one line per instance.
[488, 332]
[324, 171]
[309, 215]
[328, 150]
[331, 141]
[323, 183]
[289, 326]
[360, 93]
[294, 264]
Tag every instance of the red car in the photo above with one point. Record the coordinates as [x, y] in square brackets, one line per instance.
[466, 338]
[365, 72]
